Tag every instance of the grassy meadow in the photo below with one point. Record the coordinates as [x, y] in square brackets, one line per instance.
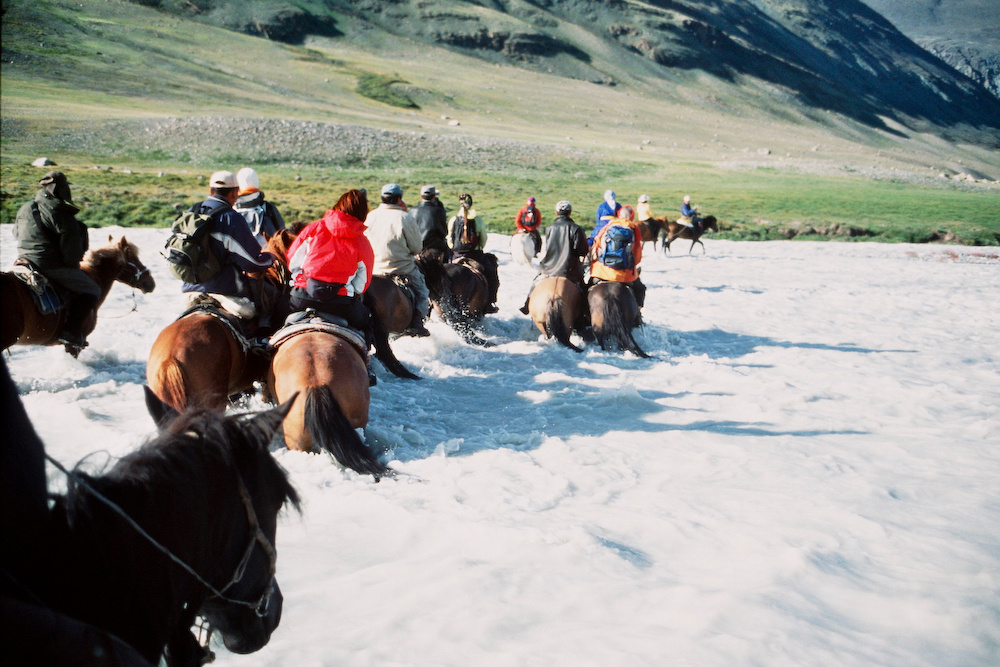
[765, 171]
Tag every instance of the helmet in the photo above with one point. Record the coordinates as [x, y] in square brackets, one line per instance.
[564, 207]
[643, 198]
[626, 213]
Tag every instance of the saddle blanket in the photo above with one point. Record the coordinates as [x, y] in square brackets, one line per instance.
[289, 331]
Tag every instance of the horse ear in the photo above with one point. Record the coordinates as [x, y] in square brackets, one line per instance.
[110, 238]
[270, 420]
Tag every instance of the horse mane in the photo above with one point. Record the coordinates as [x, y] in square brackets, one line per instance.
[109, 253]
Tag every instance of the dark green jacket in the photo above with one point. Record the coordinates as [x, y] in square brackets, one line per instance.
[48, 233]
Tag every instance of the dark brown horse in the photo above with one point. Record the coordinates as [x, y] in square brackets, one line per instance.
[650, 230]
[613, 314]
[393, 305]
[459, 292]
[325, 375]
[22, 324]
[674, 230]
[204, 357]
[555, 305]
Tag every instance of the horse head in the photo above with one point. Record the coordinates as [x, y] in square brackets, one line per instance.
[132, 272]
[248, 607]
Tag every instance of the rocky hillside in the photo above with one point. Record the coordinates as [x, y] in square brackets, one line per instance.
[828, 55]
[963, 33]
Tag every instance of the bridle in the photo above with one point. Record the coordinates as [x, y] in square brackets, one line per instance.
[257, 536]
[132, 273]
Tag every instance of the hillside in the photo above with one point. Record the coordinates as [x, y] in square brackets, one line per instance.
[734, 99]
[963, 33]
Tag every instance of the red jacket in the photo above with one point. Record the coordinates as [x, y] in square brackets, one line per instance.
[524, 226]
[333, 250]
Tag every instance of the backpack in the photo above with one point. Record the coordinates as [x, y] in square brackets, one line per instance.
[529, 218]
[255, 219]
[187, 251]
[615, 251]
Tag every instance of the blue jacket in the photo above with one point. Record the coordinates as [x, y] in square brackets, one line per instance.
[603, 210]
[238, 251]
[688, 211]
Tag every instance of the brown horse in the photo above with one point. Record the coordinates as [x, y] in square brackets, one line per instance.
[613, 314]
[325, 375]
[393, 305]
[675, 230]
[555, 305]
[22, 324]
[204, 357]
[459, 292]
[650, 230]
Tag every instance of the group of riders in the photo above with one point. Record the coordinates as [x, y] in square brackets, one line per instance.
[332, 260]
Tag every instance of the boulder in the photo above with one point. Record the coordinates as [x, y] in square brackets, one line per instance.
[43, 162]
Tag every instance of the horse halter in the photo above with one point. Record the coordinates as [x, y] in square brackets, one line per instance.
[257, 536]
[132, 274]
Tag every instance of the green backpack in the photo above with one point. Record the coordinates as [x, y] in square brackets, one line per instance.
[187, 251]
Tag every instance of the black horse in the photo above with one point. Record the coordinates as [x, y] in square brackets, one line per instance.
[182, 527]
[613, 314]
[459, 292]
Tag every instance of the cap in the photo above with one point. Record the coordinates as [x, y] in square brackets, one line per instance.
[687, 198]
[564, 207]
[247, 179]
[391, 189]
[428, 190]
[643, 197]
[223, 179]
[531, 200]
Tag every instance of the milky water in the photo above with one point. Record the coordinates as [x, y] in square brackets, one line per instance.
[806, 473]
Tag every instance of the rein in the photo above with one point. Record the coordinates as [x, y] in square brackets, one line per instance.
[257, 537]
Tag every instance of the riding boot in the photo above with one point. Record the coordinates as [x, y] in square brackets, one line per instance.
[524, 308]
[372, 378]
[417, 328]
[79, 307]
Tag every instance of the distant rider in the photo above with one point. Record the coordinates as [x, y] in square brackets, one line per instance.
[608, 210]
[432, 222]
[262, 216]
[51, 238]
[467, 238]
[528, 220]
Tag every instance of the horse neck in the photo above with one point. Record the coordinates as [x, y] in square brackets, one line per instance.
[102, 269]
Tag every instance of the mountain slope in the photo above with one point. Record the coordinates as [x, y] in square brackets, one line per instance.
[963, 33]
[831, 55]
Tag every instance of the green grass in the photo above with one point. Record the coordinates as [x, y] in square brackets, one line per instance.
[378, 87]
[750, 206]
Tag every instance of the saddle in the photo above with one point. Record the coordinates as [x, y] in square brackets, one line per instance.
[403, 283]
[313, 320]
[48, 298]
[233, 324]
[477, 270]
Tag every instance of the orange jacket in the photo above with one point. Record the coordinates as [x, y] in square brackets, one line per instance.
[603, 272]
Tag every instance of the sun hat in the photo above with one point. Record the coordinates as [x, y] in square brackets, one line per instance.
[643, 198]
[428, 191]
[223, 179]
[248, 180]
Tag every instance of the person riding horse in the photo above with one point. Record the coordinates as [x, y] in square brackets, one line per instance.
[467, 237]
[689, 214]
[626, 269]
[331, 264]
[528, 221]
[565, 248]
[234, 245]
[50, 238]
[395, 239]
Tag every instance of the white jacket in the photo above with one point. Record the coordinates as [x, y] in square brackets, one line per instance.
[395, 238]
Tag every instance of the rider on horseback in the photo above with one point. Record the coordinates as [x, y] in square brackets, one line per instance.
[238, 252]
[467, 237]
[331, 264]
[689, 214]
[50, 238]
[262, 216]
[565, 247]
[528, 221]
[395, 239]
[628, 272]
[432, 221]
[607, 211]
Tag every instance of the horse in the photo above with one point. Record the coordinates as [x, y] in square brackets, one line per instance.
[205, 356]
[555, 305]
[675, 230]
[523, 247]
[613, 314]
[393, 305]
[459, 292]
[322, 371]
[183, 527]
[21, 323]
[650, 230]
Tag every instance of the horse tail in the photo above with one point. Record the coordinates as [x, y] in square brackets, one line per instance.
[383, 352]
[555, 324]
[330, 429]
[172, 384]
[615, 328]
